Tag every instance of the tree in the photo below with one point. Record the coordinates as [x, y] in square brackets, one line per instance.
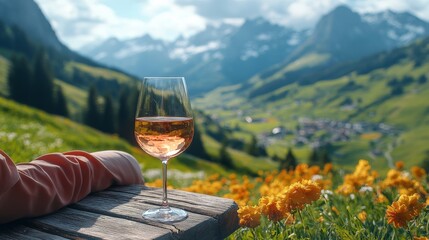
[289, 163]
[92, 115]
[224, 157]
[60, 102]
[197, 147]
[127, 103]
[20, 80]
[43, 84]
[252, 147]
[109, 121]
[422, 79]
[324, 156]
[276, 158]
[320, 156]
[425, 162]
[314, 157]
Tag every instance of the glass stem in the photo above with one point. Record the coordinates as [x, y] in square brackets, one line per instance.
[164, 184]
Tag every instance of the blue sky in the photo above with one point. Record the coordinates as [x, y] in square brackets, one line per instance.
[125, 8]
[82, 22]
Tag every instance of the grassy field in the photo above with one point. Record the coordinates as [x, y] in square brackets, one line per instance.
[99, 72]
[76, 98]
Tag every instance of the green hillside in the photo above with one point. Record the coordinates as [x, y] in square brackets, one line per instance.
[76, 98]
[99, 72]
[75, 73]
[386, 96]
[26, 133]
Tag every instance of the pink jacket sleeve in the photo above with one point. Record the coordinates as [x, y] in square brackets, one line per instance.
[55, 180]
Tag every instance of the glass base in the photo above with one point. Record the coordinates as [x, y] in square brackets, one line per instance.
[165, 215]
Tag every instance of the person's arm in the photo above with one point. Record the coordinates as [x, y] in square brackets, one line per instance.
[55, 180]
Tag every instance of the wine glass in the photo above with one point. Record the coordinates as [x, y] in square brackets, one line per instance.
[164, 128]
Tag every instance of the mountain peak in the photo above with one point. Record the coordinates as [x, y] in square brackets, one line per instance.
[341, 12]
[343, 35]
[342, 9]
[257, 22]
[111, 41]
[27, 15]
[145, 38]
[342, 18]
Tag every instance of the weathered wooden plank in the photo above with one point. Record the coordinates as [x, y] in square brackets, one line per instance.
[116, 214]
[120, 205]
[222, 209]
[81, 224]
[17, 231]
[199, 203]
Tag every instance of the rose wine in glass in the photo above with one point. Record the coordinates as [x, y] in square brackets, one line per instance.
[164, 128]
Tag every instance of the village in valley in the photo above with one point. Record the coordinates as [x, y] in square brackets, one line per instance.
[320, 132]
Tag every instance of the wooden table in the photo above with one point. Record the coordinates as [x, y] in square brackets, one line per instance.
[116, 214]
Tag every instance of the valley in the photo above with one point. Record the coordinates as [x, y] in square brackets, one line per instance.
[356, 113]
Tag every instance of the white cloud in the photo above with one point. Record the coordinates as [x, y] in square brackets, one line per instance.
[81, 22]
[420, 8]
[298, 14]
[167, 20]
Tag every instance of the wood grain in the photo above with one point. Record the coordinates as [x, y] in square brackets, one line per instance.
[116, 214]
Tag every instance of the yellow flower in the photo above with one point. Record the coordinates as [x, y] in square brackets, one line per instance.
[420, 238]
[206, 187]
[327, 168]
[232, 176]
[335, 210]
[399, 165]
[381, 198]
[362, 176]
[418, 172]
[269, 207]
[157, 184]
[403, 183]
[299, 194]
[289, 218]
[346, 189]
[403, 210]
[362, 216]
[249, 216]
[213, 177]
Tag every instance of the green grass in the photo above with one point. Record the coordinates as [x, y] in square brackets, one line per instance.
[99, 72]
[309, 60]
[76, 98]
[240, 159]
